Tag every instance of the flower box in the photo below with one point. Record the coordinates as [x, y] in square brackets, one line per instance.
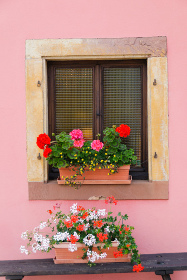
[110, 156]
[99, 176]
[63, 255]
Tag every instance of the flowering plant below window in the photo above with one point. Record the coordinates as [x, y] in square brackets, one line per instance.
[88, 227]
[71, 150]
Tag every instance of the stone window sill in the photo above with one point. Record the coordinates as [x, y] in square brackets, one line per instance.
[137, 190]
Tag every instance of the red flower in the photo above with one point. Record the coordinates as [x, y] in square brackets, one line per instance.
[42, 140]
[74, 218]
[118, 254]
[68, 224]
[46, 152]
[138, 268]
[126, 228]
[98, 223]
[80, 208]
[84, 215]
[102, 236]
[111, 199]
[80, 227]
[123, 130]
[73, 239]
[49, 211]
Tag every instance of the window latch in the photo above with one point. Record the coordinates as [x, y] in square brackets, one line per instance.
[39, 156]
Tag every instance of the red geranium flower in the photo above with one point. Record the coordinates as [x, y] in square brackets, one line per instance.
[42, 140]
[102, 236]
[74, 218]
[138, 268]
[123, 130]
[126, 228]
[111, 199]
[85, 215]
[68, 224]
[80, 227]
[49, 211]
[98, 223]
[73, 239]
[80, 208]
[118, 254]
[46, 152]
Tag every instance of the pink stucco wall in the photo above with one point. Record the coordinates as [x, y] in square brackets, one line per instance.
[160, 226]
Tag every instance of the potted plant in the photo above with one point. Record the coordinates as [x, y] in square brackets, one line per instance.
[85, 235]
[73, 155]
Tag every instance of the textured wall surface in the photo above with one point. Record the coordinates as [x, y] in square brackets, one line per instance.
[160, 226]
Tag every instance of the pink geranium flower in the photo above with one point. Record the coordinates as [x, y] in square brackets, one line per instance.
[76, 134]
[78, 143]
[97, 145]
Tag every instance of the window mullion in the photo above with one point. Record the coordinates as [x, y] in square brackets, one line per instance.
[97, 102]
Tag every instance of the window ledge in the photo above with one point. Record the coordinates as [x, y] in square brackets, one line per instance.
[139, 189]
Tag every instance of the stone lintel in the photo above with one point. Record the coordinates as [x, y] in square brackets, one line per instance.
[131, 46]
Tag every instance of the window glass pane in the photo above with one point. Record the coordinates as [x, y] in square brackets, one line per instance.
[74, 100]
[122, 103]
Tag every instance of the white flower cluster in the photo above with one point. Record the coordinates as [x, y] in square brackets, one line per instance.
[24, 235]
[94, 256]
[72, 247]
[35, 247]
[107, 229]
[89, 240]
[38, 237]
[94, 215]
[44, 243]
[24, 250]
[43, 225]
[101, 212]
[86, 226]
[73, 208]
[61, 236]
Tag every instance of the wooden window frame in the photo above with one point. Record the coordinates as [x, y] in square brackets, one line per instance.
[98, 101]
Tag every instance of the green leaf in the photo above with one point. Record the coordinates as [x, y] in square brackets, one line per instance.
[73, 153]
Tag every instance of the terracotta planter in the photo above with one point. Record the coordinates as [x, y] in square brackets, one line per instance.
[63, 255]
[99, 176]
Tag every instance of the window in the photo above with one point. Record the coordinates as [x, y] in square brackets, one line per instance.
[151, 49]
[93, 95]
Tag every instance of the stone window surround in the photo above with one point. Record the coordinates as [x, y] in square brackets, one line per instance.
[38, 52]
